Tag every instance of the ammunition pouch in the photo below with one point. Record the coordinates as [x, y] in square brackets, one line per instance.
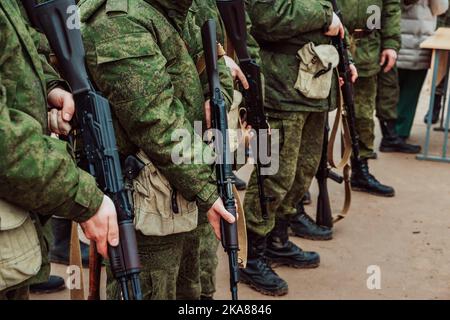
[315, 75]
[20, 249]
[159, 209]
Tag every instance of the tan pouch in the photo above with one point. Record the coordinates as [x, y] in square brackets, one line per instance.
[315, 74]
[159, 209]
[20, 250]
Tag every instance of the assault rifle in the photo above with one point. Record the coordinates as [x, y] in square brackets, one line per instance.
[324, 215]
[94, 121]
[232, 13]
[224, 168]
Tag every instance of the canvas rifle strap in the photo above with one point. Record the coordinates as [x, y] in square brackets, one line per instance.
[344, 163]
[242, 230]
[76, 260]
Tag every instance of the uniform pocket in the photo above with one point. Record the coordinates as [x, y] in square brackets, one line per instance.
[132, 45]
[20, 250]
[159, 209]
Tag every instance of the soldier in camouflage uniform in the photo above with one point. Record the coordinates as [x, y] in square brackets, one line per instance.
[281, 29]
[141, 56]
[374, 28]
[388, 91]
[37, 172]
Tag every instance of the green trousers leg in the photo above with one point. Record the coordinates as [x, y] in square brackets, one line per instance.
[291, 130]
[22, 293]
[388, 92]
[161, 258]
[310, 153]
[365, 102]
[411, 82]
[208, 260]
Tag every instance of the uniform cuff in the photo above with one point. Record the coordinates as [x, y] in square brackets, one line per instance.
[207, 196]
[88, 198]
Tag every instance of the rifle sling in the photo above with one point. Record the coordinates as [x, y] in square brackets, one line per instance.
[76, 260]
[344, 163]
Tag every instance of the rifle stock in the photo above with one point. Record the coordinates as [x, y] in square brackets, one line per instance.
[224, 169]
[93, 115]
[232, 13]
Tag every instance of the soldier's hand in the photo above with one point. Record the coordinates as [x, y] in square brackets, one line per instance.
[102, 228]
[336, 28]
[354, 72]
[217, 212]
[388, 59]
[236, 72]
[63, 109]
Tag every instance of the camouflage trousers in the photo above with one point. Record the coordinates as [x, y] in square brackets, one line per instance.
[388, 92]
[170, 267]
[208, 260]
[300, 148]
[21, 293]
[365, 103]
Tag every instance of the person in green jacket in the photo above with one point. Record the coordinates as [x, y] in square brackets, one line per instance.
[374, 31]
[281, 29]
[141, 55]
[39, 176]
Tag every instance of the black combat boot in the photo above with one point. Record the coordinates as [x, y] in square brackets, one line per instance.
[53, 284]
[436, 110]
[239, 183]
[304, 226]
[280, 251]
[258, 274]
[363, 181]
[60, 250]
[391, 142]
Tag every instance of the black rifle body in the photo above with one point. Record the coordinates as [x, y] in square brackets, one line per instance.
[224, 168]
[94, 121]
[233, 15]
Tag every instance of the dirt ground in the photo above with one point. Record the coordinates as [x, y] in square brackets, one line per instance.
[407, 237]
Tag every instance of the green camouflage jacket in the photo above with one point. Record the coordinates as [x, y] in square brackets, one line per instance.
[281, 28]
[207, 9]
[138, 59]
[37, 172]
[364, 14]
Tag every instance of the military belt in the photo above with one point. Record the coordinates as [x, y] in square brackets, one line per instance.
[361, 33]
[278, 47]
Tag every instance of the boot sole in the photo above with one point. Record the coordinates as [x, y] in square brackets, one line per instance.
[281, 263]
[278, 293]
[313, 238]
[39, 292]
[393, 150]
[390, 195]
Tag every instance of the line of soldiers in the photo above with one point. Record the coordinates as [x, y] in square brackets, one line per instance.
[144, 56]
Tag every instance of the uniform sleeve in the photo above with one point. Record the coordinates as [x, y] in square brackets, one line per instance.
[38, 173]
[131, 70]
[275, 20]
[390, 25]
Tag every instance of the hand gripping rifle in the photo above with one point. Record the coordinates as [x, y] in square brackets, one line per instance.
[224, 169]
[233, 15]
[93, 116]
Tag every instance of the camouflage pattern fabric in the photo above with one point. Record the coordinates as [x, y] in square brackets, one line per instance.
[365, 103]
[281, 29]
[359, 14]
[388, 91]
[40, 175]
[170, 267]
[301, 138]
[208, 260]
